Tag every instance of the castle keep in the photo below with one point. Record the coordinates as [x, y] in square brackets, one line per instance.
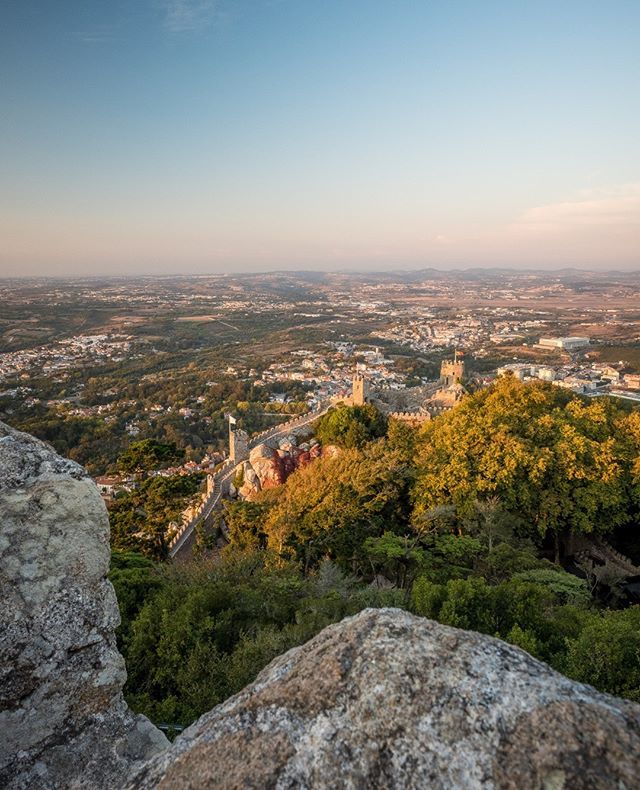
[360, 389]
[451, 372]
[416, 404]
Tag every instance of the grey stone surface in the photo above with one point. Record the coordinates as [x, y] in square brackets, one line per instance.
[385, 699]
[259, 452]
[63, 720]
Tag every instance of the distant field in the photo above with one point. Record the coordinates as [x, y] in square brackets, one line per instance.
[628, 354]
[198, 318]
[128, 320]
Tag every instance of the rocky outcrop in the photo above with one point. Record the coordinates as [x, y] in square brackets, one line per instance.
[331, 451]
[386, 699]
[270, 465]
[63, 719]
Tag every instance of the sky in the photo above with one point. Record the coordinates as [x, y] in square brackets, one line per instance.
[197, 136]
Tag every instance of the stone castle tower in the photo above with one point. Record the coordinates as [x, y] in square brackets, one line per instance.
[238, 442]
[451, 372]
[360, 390]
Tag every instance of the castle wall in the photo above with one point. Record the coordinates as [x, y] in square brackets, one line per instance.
[411, 417]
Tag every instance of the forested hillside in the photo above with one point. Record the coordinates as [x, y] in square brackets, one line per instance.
[472, 521]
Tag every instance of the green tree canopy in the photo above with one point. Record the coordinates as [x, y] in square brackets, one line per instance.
[135, 578]
[606, 653]
[329, 508]
[351, 426]
[552, 459]
[630, 428]
[140, 519]
[148, 454]
[210, 628]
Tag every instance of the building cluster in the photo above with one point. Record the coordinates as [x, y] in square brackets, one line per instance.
[580, 377]
[73, 352]
[477, 331]
[329, 374]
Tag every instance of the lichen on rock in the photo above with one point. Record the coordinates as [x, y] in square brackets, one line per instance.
[63, 719]
[387, 699]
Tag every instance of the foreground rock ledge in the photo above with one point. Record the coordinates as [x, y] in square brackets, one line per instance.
[386, 699]
[63, 720]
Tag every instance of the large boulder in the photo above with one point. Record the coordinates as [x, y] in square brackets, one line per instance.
[63, 719]
[261, 452]
[265, 463]
[386, 699]
[272, 466]
[251, 482]
[288, 443]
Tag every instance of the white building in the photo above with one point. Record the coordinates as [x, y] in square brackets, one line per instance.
[578, 385]
[518, 369]
[107, 485]
[564, 343]
[547, 374]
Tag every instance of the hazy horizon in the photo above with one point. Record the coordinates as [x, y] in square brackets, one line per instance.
[222, 136]
[356, 272]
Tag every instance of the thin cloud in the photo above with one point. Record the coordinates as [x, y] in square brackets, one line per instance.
[594, 227]
[184, 16]
[611, 207]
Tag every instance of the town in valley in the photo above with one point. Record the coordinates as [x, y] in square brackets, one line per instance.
[95, 364]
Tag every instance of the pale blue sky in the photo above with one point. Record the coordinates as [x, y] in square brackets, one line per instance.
[222, 135]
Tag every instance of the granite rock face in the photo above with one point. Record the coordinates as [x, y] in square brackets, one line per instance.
[269, 467]
[63, 719]
[386, 699]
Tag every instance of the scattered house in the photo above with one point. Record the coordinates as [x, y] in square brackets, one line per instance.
[608, 372]
[107, 485]
[632, 381]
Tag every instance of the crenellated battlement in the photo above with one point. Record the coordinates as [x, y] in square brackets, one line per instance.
[413, 417]
[451, 371]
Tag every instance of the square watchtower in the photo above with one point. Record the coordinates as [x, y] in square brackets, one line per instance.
[238, 442]
[451, 372]
[360, 390]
